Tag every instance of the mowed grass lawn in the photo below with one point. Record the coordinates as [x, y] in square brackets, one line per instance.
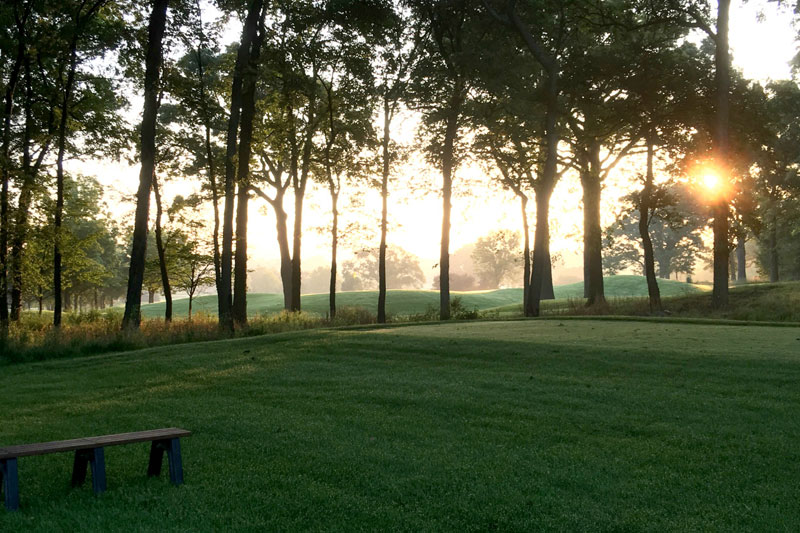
[525, 425]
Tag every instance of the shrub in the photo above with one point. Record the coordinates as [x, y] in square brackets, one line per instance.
[460, 312]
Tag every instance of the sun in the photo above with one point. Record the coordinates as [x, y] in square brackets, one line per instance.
[711, 181]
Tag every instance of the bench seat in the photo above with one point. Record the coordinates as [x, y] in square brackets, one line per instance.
[43, 448]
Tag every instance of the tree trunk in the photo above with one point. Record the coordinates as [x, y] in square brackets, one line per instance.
[162, 254]
[191, 299]
[526, 250]
[299, 186]
[243, 178]
[774, 270]
[133, 302]
[541, 251]
[151, 296]
[732, 266]
[24, 201]
[653, 291]
[283, 247]
[722, 75]
[448, 164]
[5, 161]
[62, 143]
[239, 308]
[592, 233]
[212, 176]
[224, 296]
[547, 182]
[334, 249]
[548, 291]
[741, 260]
[297, 236]
[387, 119]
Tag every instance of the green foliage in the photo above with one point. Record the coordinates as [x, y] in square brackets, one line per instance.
[675, 227]
[497, 258]
[402, 271]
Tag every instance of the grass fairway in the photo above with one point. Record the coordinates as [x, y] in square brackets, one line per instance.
[525, 425]
[407, 302]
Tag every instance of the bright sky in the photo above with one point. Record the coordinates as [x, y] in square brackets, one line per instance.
[762, 42]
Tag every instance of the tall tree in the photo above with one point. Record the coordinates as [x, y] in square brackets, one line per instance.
[79, 21]
[18, 37]
[161, 250]
[347, 104]
[249, 36]
[198, 92]
[156, 27]
[249, 79]
[442, 79]
[530, 26]
[698, 16]
[394, 62]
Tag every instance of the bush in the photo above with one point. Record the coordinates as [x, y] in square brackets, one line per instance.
[353, 315]
[460, 312]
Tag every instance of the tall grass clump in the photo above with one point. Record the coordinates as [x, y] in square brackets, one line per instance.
[33, 338]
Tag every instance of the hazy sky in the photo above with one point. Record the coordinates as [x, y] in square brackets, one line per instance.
[762, 42]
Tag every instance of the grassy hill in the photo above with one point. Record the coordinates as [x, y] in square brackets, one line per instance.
[571, 425]
[406, 302]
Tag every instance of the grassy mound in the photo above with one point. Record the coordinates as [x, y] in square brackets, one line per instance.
[624, 286]
[526, 425]
[771, 302]
[409, 302]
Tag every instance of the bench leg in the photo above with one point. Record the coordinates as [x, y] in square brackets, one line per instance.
[96, 458]
[175, 462]
[10, 483]
[157, 449]
[98, 462]
[173, 449]
[79, 466]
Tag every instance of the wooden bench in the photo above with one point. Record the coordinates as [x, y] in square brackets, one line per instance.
[89, 451]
